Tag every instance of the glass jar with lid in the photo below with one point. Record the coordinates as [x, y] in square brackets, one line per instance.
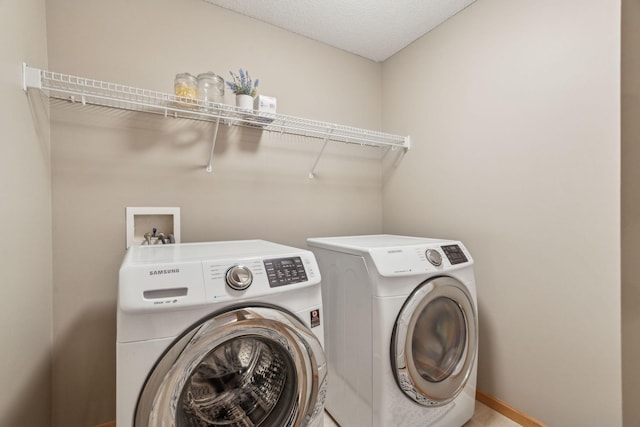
[186, 86]
[211, 88]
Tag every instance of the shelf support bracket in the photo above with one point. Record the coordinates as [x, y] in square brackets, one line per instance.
[213, 144]
[30, 77]
[315, 164]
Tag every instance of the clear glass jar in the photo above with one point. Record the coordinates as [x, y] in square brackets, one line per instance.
[186, 86]
[211, 88]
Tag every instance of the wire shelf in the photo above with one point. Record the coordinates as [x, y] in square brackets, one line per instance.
[94, 92]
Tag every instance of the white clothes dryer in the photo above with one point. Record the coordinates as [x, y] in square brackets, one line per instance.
[401, 330]
[219, 334]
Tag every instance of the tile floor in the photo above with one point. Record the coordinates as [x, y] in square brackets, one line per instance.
[328, 421]
[482, 417]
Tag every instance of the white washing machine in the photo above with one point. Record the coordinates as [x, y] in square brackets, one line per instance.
[401, 330]
[220, 334]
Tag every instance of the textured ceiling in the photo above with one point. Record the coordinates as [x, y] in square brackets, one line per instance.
[374, 29]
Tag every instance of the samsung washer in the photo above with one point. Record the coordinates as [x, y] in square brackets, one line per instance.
[401, 331]
[220, 334]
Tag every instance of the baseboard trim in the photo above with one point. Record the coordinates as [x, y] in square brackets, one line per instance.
[499, 406]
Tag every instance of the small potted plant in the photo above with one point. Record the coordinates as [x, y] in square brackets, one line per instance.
[244, 88]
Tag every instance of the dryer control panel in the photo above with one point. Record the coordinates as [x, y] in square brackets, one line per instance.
[454, 254]
[417, 259]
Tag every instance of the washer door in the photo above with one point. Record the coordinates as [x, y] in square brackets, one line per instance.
[434, 342]
[248, 366]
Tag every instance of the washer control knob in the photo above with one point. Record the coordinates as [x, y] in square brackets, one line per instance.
[239, 277]
[434, 257]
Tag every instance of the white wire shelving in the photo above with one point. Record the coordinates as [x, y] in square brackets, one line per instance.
[112, 95]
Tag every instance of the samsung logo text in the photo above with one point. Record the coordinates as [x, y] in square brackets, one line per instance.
[167, 271]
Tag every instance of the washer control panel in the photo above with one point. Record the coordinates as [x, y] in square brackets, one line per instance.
[285, 271]
[171, 277]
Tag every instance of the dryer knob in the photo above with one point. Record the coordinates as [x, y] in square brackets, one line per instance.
[239, 277]
[434, 257]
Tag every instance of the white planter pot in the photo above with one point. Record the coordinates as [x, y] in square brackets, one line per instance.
[244, 101]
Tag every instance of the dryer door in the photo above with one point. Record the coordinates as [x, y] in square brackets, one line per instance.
[434, 342]
[249, 366]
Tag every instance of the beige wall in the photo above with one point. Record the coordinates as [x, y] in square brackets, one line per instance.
[630, 212]
[25, 215]
[106, 161]
[513, 109]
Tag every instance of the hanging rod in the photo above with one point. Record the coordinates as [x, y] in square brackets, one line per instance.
[113, 95]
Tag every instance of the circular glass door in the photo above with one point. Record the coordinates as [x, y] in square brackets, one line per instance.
[244, 381]
[255, 366]
[434, 342]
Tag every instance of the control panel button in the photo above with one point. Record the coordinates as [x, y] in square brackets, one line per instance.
[434, 257]
[454, 254]
[285, 271]
[239, 277]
